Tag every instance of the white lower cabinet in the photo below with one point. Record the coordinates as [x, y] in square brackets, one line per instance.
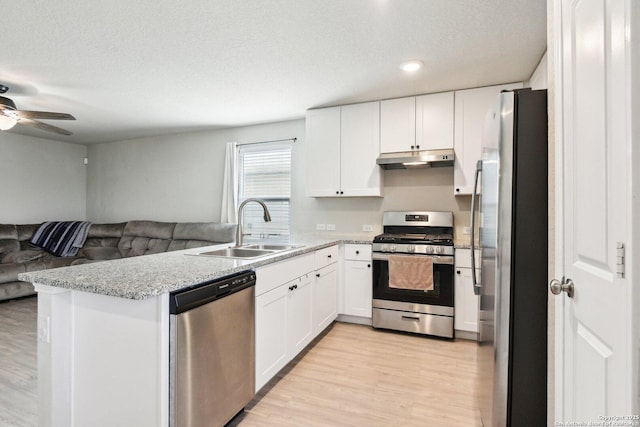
[299, 328]
[325, 297]
[465, 301]
[357, 280]
[290, 315]
[271, 339]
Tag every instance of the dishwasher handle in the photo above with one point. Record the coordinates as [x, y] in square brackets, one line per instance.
[203, 293]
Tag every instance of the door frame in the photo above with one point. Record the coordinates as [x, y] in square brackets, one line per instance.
[556, 213]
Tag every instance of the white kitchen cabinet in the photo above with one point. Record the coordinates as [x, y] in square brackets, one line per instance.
[471, 107]
[434, 121]
[343, 144]
[325, 297]
[357, 280]
[271, 339]
[284, 326]
[422, 122]
[323, 152]
[465, 301]
[299, 314]
[398, 124]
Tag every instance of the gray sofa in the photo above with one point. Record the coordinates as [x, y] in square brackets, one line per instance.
[104, 242]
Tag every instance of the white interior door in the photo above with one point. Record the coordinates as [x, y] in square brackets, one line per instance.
[593, 140]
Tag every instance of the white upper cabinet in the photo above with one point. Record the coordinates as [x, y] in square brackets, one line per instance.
[434, 121]
[398, 125]
[471, 106]
[359, 149]
[323, 152]
[343, 144]
[417, 123]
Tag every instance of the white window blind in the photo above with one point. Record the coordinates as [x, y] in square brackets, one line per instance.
[264, 172]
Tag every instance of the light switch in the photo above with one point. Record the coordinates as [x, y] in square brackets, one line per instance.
[331, 227]
[367, 227]
[321, 226]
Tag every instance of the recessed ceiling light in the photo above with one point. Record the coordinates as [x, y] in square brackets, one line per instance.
[411, 66]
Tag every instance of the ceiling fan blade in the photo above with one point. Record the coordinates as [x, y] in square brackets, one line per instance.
[44, 126]
[46, 115]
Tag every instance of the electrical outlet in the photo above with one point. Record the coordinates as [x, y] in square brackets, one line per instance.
[321, 226]
[331, 227]
[466, 230]
[367, 227]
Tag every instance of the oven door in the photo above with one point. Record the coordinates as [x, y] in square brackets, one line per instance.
[443, 278]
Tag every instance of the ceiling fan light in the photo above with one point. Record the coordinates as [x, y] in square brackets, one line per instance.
[7, 122]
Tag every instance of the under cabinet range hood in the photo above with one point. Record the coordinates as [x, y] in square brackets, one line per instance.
[416, 159]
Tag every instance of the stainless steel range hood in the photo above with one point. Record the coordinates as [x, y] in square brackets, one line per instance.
[416, 159]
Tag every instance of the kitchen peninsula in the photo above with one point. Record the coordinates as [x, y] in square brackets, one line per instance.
[103, 328]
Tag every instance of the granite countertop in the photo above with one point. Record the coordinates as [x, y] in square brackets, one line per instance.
[146, 276]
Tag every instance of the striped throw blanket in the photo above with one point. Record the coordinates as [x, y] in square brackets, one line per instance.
[61, 238]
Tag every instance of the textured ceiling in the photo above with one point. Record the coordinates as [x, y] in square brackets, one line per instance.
[128, 69]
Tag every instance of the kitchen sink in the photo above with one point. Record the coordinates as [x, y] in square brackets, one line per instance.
[271, 247]
[238, 253]
[249, 251]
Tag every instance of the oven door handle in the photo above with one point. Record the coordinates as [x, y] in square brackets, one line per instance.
[377, 256]
[474, 198]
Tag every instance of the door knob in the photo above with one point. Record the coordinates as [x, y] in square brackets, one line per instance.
[566, 285]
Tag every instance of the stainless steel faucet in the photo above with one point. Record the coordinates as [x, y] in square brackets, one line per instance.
[267, 218]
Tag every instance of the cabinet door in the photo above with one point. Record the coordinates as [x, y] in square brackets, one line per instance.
[299, 315]
[465, 302]
[434, 121]
[323, 152]
[471, 107]
[325, 298]
[398, 124]
[359, 148]
[357, 288]
[271, 339]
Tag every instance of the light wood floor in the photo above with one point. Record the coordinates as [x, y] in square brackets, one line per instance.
[18, 381]
[358, 376]
[352, 375]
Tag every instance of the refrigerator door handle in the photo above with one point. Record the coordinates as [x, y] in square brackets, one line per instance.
[474, 197]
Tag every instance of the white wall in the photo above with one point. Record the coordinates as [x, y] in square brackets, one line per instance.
[179, 178]
[41, 180]
[540, 77]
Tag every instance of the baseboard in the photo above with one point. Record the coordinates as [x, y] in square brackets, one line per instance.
[347, 318]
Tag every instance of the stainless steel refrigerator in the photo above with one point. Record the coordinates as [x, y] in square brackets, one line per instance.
[512, 284]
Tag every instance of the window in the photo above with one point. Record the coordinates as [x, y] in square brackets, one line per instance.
[264, 172]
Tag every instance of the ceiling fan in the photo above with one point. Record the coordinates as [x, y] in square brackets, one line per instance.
[10, 116]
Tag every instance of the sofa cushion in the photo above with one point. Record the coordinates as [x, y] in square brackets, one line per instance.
[25, 231]
[106, 230]
[9, 272]
[8, 231]
[145, 237]
[188, 235]
[101, 253]
[23, 256]
[8, 245]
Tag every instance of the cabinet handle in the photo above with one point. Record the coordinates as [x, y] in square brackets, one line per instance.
[457, 190]
[458, 272]
[369, 265]
[342, 192]
[357, 252]
[318, 275]
[328, 256]
[413, 147]
[418, 147]
[295, 286]
[291, 288]
[337, 192]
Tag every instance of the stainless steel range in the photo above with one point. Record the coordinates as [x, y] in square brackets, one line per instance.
[413, 276]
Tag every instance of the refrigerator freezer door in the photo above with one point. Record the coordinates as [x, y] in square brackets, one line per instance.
[495, 244]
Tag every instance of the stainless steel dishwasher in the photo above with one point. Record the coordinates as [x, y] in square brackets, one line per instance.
[212, 351]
